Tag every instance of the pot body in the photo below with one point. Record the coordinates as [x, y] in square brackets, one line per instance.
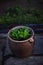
[23, 48]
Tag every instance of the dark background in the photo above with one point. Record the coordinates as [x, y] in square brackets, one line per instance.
[4, 4]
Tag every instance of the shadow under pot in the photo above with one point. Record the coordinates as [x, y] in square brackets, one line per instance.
[21, 48]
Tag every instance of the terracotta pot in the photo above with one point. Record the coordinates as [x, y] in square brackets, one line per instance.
[21, 48]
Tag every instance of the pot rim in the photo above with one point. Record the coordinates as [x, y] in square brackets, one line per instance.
[17, 40]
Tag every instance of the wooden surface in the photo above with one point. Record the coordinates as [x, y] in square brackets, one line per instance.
[6, 56]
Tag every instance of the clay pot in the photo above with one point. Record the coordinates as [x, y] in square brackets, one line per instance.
[21, 48]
